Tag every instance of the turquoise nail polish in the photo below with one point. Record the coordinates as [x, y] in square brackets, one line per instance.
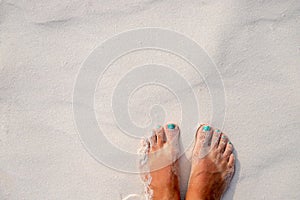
[206, 128]
[223, 136]
[158, 127]
[171, 126]
[217, 131]
[229, 142]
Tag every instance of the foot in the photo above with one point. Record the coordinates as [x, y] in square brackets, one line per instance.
[212, 165]
[160, 164]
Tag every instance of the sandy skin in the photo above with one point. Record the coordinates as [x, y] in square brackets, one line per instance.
[162, 160]
[212, 164]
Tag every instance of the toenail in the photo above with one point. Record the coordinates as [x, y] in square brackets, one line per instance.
[171, 126]
[229, 142]
[158, 127]
[223, 136]
[206, 128]
[217, 131]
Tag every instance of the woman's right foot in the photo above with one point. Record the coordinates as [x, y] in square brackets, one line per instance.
[212, 165]
[160, 164]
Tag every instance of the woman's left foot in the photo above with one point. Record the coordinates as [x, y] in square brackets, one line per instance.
[160, 164]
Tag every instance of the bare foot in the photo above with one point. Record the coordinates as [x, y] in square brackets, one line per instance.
[160, 164]
[212, 165]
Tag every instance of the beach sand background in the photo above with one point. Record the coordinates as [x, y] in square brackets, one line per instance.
[254, 44]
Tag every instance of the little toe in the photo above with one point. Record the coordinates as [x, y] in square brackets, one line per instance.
[144, 146]
[231, 161]
[171, 131]
[146, 142]
[228, 150]
[223, 142]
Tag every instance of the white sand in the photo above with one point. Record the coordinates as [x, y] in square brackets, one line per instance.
[254, 44]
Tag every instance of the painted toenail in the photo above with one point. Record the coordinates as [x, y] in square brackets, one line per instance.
[229, 142]
[217, 131]
[206, 128]
[171, 126]
[223, 136]
[158, 127]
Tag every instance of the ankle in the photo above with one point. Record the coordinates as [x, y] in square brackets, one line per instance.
[171, 193]
[202, 194]
[167, 196]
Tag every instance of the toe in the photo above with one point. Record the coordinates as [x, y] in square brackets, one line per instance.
[231, 161]
[228, 150]
[215, 138]
[223, 143]
[144, 146]
[153, 140]
[171, 131]
[146, 142]
[160, 135]
[200, 137]
[203, 137]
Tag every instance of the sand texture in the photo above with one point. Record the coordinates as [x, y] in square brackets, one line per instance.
[255, 46]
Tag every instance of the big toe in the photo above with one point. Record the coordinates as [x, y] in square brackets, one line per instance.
[172, 133]
[203, 140]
